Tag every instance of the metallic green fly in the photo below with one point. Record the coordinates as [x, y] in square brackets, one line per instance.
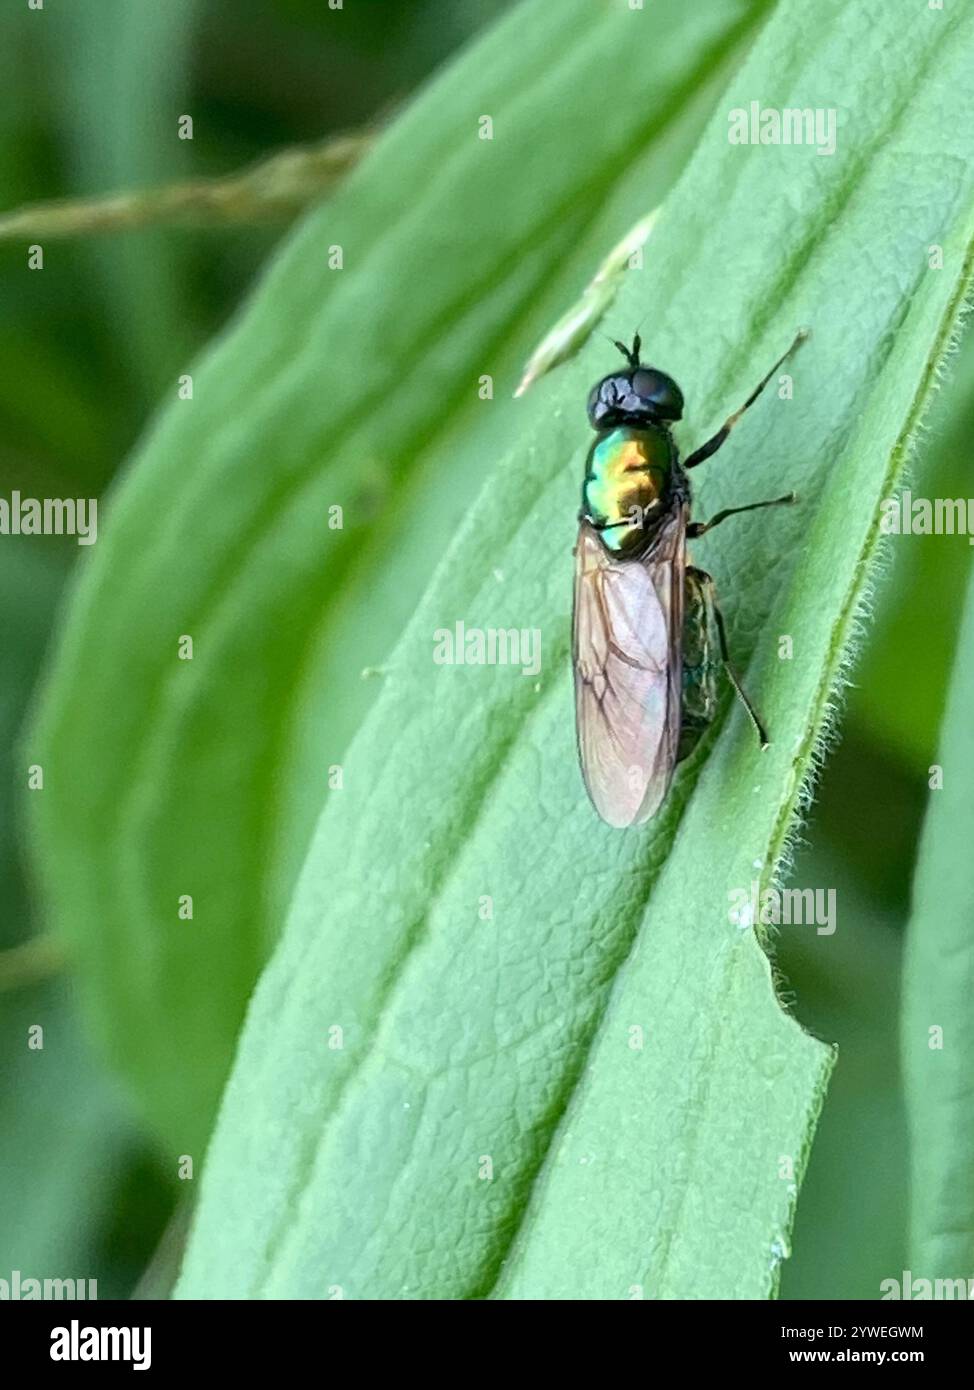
[648, 635]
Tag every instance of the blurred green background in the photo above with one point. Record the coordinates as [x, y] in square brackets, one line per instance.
[81, 1189]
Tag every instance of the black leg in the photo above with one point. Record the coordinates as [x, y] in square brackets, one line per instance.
[712, 445]
[700, 528]
[732, 675]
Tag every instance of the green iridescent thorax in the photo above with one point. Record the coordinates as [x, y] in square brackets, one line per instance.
[627, 481]
[701, 662]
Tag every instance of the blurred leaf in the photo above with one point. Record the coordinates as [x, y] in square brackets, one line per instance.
[64, 1138]
[360, 389]
[909, 658]
[46, 399]
[938, 980]
[850, 1229]
[125, 68]
[63, 1128]
[357, 1166]
[30, 577]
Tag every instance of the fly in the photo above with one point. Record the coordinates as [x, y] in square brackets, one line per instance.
[648, 635]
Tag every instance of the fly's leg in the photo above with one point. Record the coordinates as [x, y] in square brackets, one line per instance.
[712, 445]
[707, 584]
[700, 528]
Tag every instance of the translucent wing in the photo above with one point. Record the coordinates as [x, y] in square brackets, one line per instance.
[628, 624]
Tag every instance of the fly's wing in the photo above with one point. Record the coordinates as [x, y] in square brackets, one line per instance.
[628, 625]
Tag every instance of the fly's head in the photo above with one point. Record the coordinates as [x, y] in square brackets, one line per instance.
[639, 395]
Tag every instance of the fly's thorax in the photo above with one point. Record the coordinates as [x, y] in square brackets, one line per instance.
[630, 479]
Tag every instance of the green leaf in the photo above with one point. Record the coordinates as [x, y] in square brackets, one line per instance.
[850, 1227]
[905, 702]
[357, 388]
[124, 130]
[503, 1040]
[30, 579]
[937, 1028]
[62, 1127]
[63, 1130]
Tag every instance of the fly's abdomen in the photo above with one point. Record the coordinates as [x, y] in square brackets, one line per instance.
[626, 488]
[701, 663]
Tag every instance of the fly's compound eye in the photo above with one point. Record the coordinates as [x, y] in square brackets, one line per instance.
[644, 382]
[658, 393]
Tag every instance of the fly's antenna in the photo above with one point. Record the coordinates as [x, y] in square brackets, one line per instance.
[630, 354]
[637, 340]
